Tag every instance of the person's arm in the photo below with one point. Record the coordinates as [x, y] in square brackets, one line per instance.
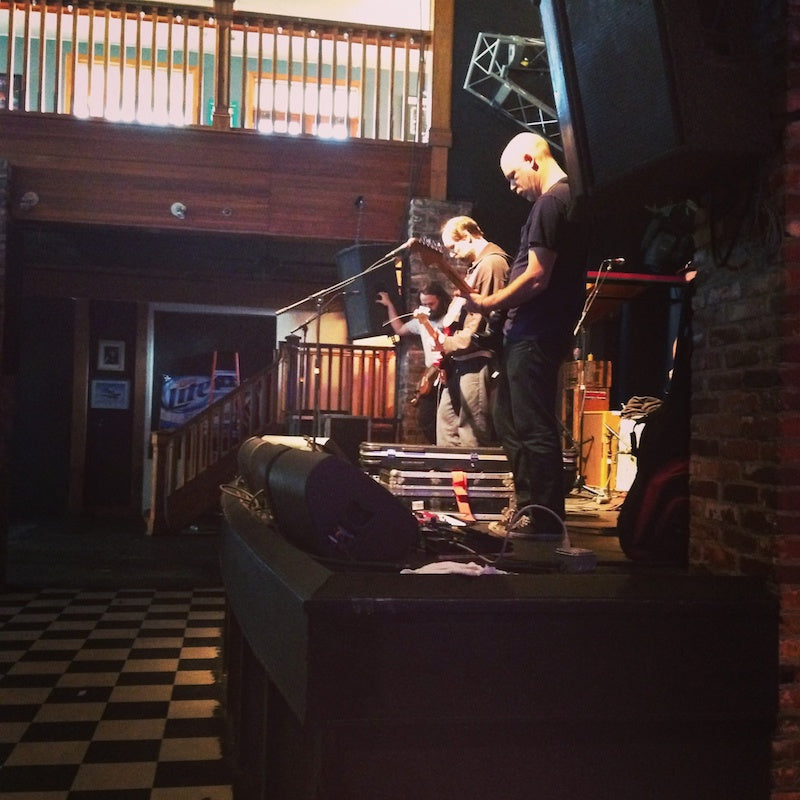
[531, 282]
[490, 275]
[398, 327]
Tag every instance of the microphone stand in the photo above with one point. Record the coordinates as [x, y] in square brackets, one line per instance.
[321, 303]
[580, 333]
[322, 299]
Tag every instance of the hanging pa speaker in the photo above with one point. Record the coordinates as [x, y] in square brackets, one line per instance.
[654, 97]
[364, 315]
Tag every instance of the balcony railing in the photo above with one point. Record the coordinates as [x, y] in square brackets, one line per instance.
[181, 65]
[344, 379]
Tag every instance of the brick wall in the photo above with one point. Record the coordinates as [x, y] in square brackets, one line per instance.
[745, 484]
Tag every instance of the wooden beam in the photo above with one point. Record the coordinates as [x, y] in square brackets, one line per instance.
[441, 134]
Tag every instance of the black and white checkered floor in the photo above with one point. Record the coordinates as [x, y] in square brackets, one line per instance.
[112, 695]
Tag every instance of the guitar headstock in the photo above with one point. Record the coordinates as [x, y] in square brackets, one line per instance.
[433, 252]
[434, 246]
[422, 314]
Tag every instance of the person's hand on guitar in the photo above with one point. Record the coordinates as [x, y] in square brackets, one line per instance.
[422, 315]
[474, 301]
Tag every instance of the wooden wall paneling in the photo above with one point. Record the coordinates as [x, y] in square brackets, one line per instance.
[89, 172]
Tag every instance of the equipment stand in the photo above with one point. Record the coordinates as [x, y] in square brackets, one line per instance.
[580, 335]
[580, 477]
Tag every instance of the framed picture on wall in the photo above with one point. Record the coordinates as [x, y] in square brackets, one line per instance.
[111, 355]
[110, 394]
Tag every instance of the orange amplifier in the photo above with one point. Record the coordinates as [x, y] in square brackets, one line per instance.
[585, 387]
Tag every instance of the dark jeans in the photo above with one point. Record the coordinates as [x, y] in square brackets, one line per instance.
[526, 422]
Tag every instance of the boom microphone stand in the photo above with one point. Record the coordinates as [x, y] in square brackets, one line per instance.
[322, 299]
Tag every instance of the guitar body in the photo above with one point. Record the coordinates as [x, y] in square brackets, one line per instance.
[439, 371]
[426, 383]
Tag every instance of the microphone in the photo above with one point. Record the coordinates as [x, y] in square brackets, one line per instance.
[398, 250]
[614, 261]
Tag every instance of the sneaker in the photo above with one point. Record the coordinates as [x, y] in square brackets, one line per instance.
[523, 528]
[500, 527]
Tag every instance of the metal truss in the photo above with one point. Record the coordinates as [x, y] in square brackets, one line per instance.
[499, 66]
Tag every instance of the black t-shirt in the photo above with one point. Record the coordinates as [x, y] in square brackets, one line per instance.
[555, 311]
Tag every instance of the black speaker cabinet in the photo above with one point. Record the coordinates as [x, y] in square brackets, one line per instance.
[364, 316]
[654, 97]
[325, 505]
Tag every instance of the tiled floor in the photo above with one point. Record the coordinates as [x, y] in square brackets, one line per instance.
[111, 695]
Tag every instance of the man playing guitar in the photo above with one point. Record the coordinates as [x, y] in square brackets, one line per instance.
[426, 322]
[464, 415]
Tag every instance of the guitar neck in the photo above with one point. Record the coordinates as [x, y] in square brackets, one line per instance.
[432, 332]
[431, 255]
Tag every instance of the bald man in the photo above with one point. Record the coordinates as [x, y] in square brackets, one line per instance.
[543, 298]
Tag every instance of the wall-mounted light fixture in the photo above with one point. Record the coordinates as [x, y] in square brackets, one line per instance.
[28, 201]
[178, 210]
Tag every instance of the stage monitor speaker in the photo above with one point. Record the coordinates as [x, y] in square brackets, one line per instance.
[654, 97]
[365, 317]
[330, 508]
[256, 454]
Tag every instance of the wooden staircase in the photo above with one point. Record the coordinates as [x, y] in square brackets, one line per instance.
[192, 461]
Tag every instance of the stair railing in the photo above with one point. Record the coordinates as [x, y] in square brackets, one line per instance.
[191, 462]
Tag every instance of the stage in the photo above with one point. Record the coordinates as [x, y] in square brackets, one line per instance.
[359, 681]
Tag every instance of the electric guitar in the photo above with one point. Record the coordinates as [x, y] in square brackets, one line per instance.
[431, 253]
[426, 383]
[443, 366]
[491, 338]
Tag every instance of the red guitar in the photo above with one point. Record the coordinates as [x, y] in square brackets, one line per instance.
[492, 337]
[423, 320]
